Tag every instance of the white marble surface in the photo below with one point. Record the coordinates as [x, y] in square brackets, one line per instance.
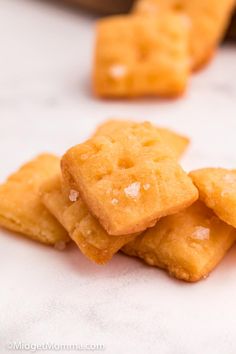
[46, 105]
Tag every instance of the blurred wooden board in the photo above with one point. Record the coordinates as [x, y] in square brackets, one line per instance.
[104, 7]
[231, 34]
[109, 7]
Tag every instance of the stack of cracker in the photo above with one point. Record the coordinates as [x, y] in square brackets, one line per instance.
[154, 50]
[124, 189]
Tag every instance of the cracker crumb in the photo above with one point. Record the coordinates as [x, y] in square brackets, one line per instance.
[118, 71]
[114, 201]
[146, 186]
[150, 260]
[60, 245]
[73, 195]
[201, 233]
[152, 223]
[132, 190]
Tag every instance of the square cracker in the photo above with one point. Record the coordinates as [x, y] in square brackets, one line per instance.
[217, 189]
[140, 56]
[82, 227]
[176, 142]
[208, 22]
[188, 244]
[21, 209]
[129, 180]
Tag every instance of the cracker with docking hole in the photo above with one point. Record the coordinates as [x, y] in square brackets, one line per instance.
[189, 244]
[21, 209]
[208, 20]
[140, 56]
[217, 189]
[176, 142]
[83, 228]
[129, 180]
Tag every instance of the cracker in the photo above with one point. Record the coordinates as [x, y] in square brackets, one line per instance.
[217, 188]
[176, 142]
[21, 209]
[129, 180]
[188, 244]
[208, 22]
[140, 56]
[82, 227]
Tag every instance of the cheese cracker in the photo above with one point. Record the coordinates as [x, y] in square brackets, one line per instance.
[21, 209]
[82, 227]
[217, 189]
[129, 180]
[176, 142]
[188, 244]
[140, 56]
[208, 21]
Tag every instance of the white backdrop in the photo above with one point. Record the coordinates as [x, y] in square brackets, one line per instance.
[61, 297]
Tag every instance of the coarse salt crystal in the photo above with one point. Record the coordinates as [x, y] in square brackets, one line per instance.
[146, 186]
[114, 201]
[74, 195]
[118, 71]
[201, 233]
[132, 190]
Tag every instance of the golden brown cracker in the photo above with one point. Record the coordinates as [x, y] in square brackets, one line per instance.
[82, 227]
[129, 180]
[176, 142]
[21, 209]
[188, 244]
[140, 56]
[208, 22]
[217, 189]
